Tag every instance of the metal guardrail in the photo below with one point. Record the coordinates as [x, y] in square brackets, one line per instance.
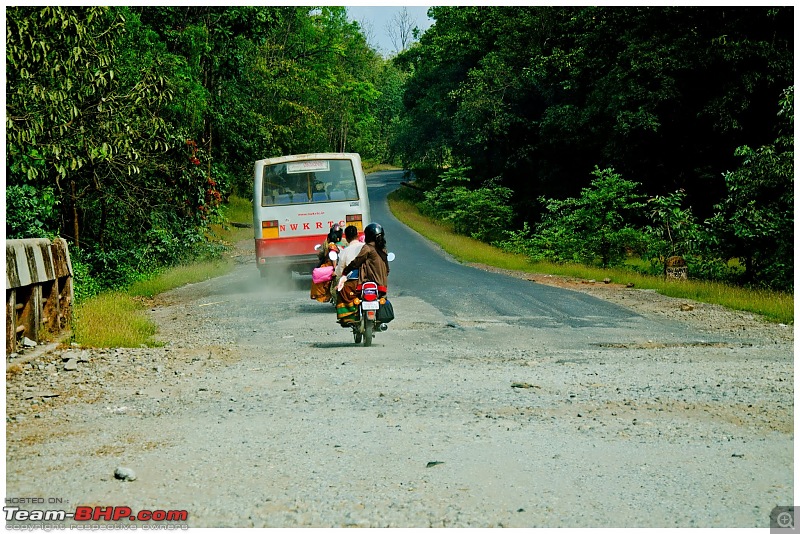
[39, 290]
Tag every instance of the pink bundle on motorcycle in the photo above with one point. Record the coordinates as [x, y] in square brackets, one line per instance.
[322, 274]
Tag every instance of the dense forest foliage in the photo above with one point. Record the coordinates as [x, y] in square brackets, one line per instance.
[128, 127]
[569, 133]
[647, 130]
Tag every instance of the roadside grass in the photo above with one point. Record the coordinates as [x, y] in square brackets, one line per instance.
[112, 319]
[237, 212]
[371, 166]
[239, 209]
[118, 318]
[179, 276]
[774, 306]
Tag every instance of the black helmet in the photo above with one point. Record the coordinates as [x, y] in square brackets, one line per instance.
[335, 235]
[372, 231]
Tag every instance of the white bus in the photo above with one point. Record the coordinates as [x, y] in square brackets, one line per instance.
[296, 201]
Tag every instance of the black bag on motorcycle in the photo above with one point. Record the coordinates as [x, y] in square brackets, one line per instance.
[385, 313]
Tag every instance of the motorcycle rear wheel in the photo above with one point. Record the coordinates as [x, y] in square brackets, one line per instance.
[368, 331]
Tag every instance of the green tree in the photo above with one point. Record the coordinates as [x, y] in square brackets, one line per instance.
[537, 94]
[437, 66]
[126, 127]
[755, 220]
[674, 229]
[276, 80]
[599, 225]
[87, 92]
[390, 84]
[634, 87]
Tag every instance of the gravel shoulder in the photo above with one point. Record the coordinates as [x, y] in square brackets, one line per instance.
[258, 411]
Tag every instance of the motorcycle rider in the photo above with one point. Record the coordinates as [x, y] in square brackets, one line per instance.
[372, 261]
[345, 288]
[350, 251]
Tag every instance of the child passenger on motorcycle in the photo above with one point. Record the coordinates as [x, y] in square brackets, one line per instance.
[321, 290]
[372, 265]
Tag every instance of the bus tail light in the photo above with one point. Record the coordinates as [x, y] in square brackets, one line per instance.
[269, 230]
[355, 220]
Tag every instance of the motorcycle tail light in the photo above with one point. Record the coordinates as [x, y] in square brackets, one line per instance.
[370, 291]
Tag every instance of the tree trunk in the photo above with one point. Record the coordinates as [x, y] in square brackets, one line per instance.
[75, 215]
[103, 221]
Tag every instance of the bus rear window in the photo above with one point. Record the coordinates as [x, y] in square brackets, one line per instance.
[308, 181]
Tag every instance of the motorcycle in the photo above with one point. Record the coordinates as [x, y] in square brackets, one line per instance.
[371, 309]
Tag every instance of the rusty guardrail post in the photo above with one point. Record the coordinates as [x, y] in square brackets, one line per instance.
[39, 290]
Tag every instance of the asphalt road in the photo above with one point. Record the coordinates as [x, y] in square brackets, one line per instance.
[467, 294]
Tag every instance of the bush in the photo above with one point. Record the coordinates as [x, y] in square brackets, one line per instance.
[595, 227]
[517, 241]
[83, 283]
[117, 268]
[481, 213]
[674, 230]
[30, 212]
